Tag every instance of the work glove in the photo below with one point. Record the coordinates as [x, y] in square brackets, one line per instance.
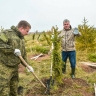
[17, 52]
[76, 31]
[30, 69]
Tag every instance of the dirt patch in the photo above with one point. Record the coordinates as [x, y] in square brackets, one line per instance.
[21, 69]
[70, 87]
[87, 68]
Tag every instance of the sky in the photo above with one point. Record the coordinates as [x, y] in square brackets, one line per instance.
[43, 14]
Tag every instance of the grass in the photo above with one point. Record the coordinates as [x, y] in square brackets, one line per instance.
[42, 69]
[92, 57]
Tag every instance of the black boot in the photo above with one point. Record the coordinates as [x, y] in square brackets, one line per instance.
[64, 68]
[73, 73]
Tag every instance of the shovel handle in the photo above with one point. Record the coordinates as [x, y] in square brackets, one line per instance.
[25, 63]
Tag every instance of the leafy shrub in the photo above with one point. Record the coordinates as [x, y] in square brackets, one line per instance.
[92, 57]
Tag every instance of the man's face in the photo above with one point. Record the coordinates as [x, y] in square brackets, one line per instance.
[24, 31]
[66, 25]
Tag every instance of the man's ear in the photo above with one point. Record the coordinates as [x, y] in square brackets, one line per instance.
[20, 29]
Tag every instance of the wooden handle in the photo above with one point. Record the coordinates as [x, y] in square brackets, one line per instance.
[25, 63]
[95, 88]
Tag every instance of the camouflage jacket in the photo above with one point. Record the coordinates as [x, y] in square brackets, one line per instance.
[10, 40]
[68, 40]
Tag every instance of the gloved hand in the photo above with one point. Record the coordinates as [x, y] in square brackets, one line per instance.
[75, 31]
[30, 69]
[17, 52]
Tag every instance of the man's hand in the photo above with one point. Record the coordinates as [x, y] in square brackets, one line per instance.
[75, 31]
[30, 69]
[17, 52]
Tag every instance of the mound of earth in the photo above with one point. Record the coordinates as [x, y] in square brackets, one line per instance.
[70, 87]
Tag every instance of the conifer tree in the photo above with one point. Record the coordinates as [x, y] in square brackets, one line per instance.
[87, 38]
[57, 61]
[54, 40]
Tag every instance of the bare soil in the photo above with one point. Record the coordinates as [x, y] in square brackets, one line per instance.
[21, 69]
[69, 86]
[87, 68]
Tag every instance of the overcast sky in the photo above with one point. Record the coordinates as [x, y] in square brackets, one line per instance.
[43, 14]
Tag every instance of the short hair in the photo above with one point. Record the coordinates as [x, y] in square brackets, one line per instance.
[66, 20]
[23, 24]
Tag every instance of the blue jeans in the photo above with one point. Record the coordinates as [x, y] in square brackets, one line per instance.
[72, 57]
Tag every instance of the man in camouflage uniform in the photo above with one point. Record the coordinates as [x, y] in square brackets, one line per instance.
[11, 40]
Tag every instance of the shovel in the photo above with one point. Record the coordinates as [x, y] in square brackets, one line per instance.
[49, 82]
[31, 72]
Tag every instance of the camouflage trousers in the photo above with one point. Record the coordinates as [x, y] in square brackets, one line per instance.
[8, 80]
